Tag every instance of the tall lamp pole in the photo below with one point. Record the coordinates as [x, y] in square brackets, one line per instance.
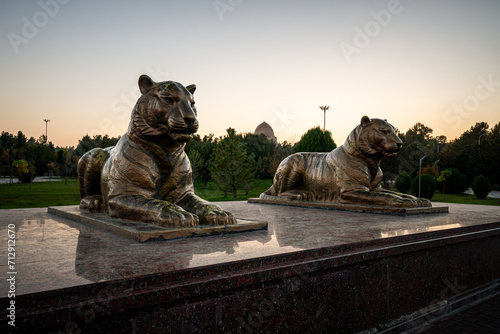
[420, 171]
[324, 108]
[46, 124]
[479, 143]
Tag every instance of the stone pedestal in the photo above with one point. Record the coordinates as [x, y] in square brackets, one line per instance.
[312, 271]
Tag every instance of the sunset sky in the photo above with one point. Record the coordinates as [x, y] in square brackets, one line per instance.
[77, 63]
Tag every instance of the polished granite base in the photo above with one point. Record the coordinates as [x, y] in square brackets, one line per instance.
[352, 207]
[143, 232]
[313, 270]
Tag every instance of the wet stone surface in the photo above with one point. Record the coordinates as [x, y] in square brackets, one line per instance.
[54, 252]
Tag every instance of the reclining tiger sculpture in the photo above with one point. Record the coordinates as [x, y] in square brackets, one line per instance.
[350, 174]
[147, 176]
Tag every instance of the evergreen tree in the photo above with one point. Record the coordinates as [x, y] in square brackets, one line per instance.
[200, 164]
[231, 167]
[262, 150]
[315, 140]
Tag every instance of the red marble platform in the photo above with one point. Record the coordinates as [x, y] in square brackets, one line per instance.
[312, 270]
[388, 210]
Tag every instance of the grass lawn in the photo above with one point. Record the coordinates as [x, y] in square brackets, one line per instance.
[43, 194]
[463, 199]
[54, 193]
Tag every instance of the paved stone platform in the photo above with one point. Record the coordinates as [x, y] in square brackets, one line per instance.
[143, 232]
[347, 270]
[55, 252]
[388, 210]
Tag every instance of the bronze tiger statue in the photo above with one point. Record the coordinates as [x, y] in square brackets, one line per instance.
[147, 176]
[350, 174]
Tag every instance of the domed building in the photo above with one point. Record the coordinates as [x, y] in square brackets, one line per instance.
[266, 130]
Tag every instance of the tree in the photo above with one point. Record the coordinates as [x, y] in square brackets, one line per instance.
[86, 143]
[21, 167]
[419, 132]
[42, 153]
[403, 182]
[25, 170]
[205, 148]
[20, 140]
[231, 167]
[475, 152]
[282, 151]
[455, 181]
[428, 186]
[445, 174]
[415, 140]
[481, 186]
[262, 149]
[315, 140]
[197, 163]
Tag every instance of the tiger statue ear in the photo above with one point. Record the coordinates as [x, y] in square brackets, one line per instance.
[146, 83]
[191, 88]
[365, 120]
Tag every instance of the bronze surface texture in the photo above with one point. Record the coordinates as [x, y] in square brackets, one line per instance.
[350, 174]
[147, 176]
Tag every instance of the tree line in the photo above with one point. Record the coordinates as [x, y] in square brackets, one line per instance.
[475, 152]
[237, 160]
[39, 157]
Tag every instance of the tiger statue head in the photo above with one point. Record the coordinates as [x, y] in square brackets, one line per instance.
[373, 137]
[164, 110]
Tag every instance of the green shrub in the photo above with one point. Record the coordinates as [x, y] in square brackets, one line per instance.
[481, 186]
[428, 186]
[456, 182]
[315, 140]
[403, 182]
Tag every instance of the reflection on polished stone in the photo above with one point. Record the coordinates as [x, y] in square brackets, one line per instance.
[143, 232]
[54, 252]
[418, 230]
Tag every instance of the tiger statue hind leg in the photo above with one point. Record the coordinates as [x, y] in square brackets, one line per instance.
[89, 178]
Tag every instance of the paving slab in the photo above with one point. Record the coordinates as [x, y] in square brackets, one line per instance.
[143, 232]
[388, 210]
[54, 252]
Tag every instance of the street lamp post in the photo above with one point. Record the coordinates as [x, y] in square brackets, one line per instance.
[420, 171]
[46, 125]
[324, 108]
